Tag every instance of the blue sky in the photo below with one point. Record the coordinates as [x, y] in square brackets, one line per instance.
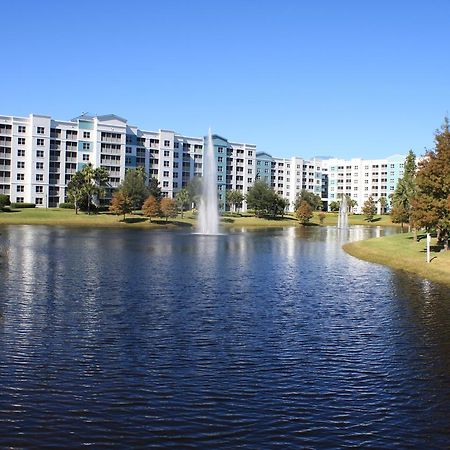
[305, 78]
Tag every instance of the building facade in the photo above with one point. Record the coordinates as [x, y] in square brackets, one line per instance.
[39, 156]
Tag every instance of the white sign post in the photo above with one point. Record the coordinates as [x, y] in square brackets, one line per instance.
[428, 247]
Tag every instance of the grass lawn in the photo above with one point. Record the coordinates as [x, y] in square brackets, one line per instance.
[56, 216]
[400, 251]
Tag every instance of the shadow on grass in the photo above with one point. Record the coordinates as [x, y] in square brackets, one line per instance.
[377, 219]
[134, 220]
[227, 220]
[9, 210]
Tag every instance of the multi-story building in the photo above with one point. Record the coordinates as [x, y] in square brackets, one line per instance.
[39, 155]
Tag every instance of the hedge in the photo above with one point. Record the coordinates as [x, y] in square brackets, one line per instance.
[23, 205]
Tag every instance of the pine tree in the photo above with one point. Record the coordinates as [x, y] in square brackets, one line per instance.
[369, 209]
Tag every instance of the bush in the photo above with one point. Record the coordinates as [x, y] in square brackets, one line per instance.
[66, 205]
[4, 201]
[23, 205]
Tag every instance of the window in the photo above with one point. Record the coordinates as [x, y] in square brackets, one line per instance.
[38, 201]
[39, 177]
[40, 130]
[86, 134]
[165, 184]
[220, 150]
[21, 141]
[175, 155]
[39, 165]
[85, 157]
[20, 188]
[20, 152]
[39, 153]
[39, 189]
[166, 173]
[166, 164]
[40, 141]
[22, 129]
[220, 159]
[166, 152]
[19, 199]
[20, 177]
[86, 146]
[166, 143]
[21, 164]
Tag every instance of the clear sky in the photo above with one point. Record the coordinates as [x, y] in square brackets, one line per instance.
[305, 78]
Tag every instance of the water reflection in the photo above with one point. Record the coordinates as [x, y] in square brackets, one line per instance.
[222, 341]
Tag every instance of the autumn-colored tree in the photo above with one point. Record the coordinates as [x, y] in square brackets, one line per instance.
[151, 207]
[369, 209]
[431, 208]
[312, 199]
[304, 212]
[121, 204]
[322, 216]
[168, 208]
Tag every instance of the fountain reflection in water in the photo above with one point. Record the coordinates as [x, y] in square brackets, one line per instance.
[208, 217]
[343, 213]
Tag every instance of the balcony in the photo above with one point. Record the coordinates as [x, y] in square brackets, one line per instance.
[5, 166]
[5, 180]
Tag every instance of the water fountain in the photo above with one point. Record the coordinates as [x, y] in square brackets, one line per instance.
[343, 213]
[208, 217]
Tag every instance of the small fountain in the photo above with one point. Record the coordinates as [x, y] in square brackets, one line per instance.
[208, 217]
[343, 214]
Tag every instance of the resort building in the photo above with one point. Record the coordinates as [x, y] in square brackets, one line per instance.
[39, 155]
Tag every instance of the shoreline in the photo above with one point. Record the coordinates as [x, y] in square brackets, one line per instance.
[67, 217]
[401, 252]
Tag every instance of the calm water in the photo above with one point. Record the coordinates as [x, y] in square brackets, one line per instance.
[269, 339]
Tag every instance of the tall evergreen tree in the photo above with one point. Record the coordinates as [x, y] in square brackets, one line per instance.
[133, 186]
[405, 192]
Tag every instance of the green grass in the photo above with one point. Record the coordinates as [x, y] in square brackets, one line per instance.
[400, 251]
[56, 216]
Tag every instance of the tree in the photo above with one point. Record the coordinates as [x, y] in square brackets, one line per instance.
[322, 216]
[168, 208]
[194, 187]
[334, 206]
[369, 209]
[430, 207]
[312, 199]
[182, 198]
[4, 201]
[75, 190]
[134, 187]
[151, 207]
[304, 212]
[399, 214]
[154, 189]
[235, 199]
[121, 203]
[264, 200]
[383, 204]
[406, 190]
[352, 203]
[86, 185]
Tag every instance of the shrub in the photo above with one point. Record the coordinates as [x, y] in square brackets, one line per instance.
[23, 205]
[4, 201]
[66, 205]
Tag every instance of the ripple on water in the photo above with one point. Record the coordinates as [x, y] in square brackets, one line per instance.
[270, 339]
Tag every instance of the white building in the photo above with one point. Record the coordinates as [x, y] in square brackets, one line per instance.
[39, 155]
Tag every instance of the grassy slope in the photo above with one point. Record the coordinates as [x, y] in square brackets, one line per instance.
[54, 216]
[400, 251]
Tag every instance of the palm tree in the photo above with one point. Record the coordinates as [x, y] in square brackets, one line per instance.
[182, 198]
[383, 204]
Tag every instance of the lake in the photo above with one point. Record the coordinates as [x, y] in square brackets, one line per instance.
[252, 339]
